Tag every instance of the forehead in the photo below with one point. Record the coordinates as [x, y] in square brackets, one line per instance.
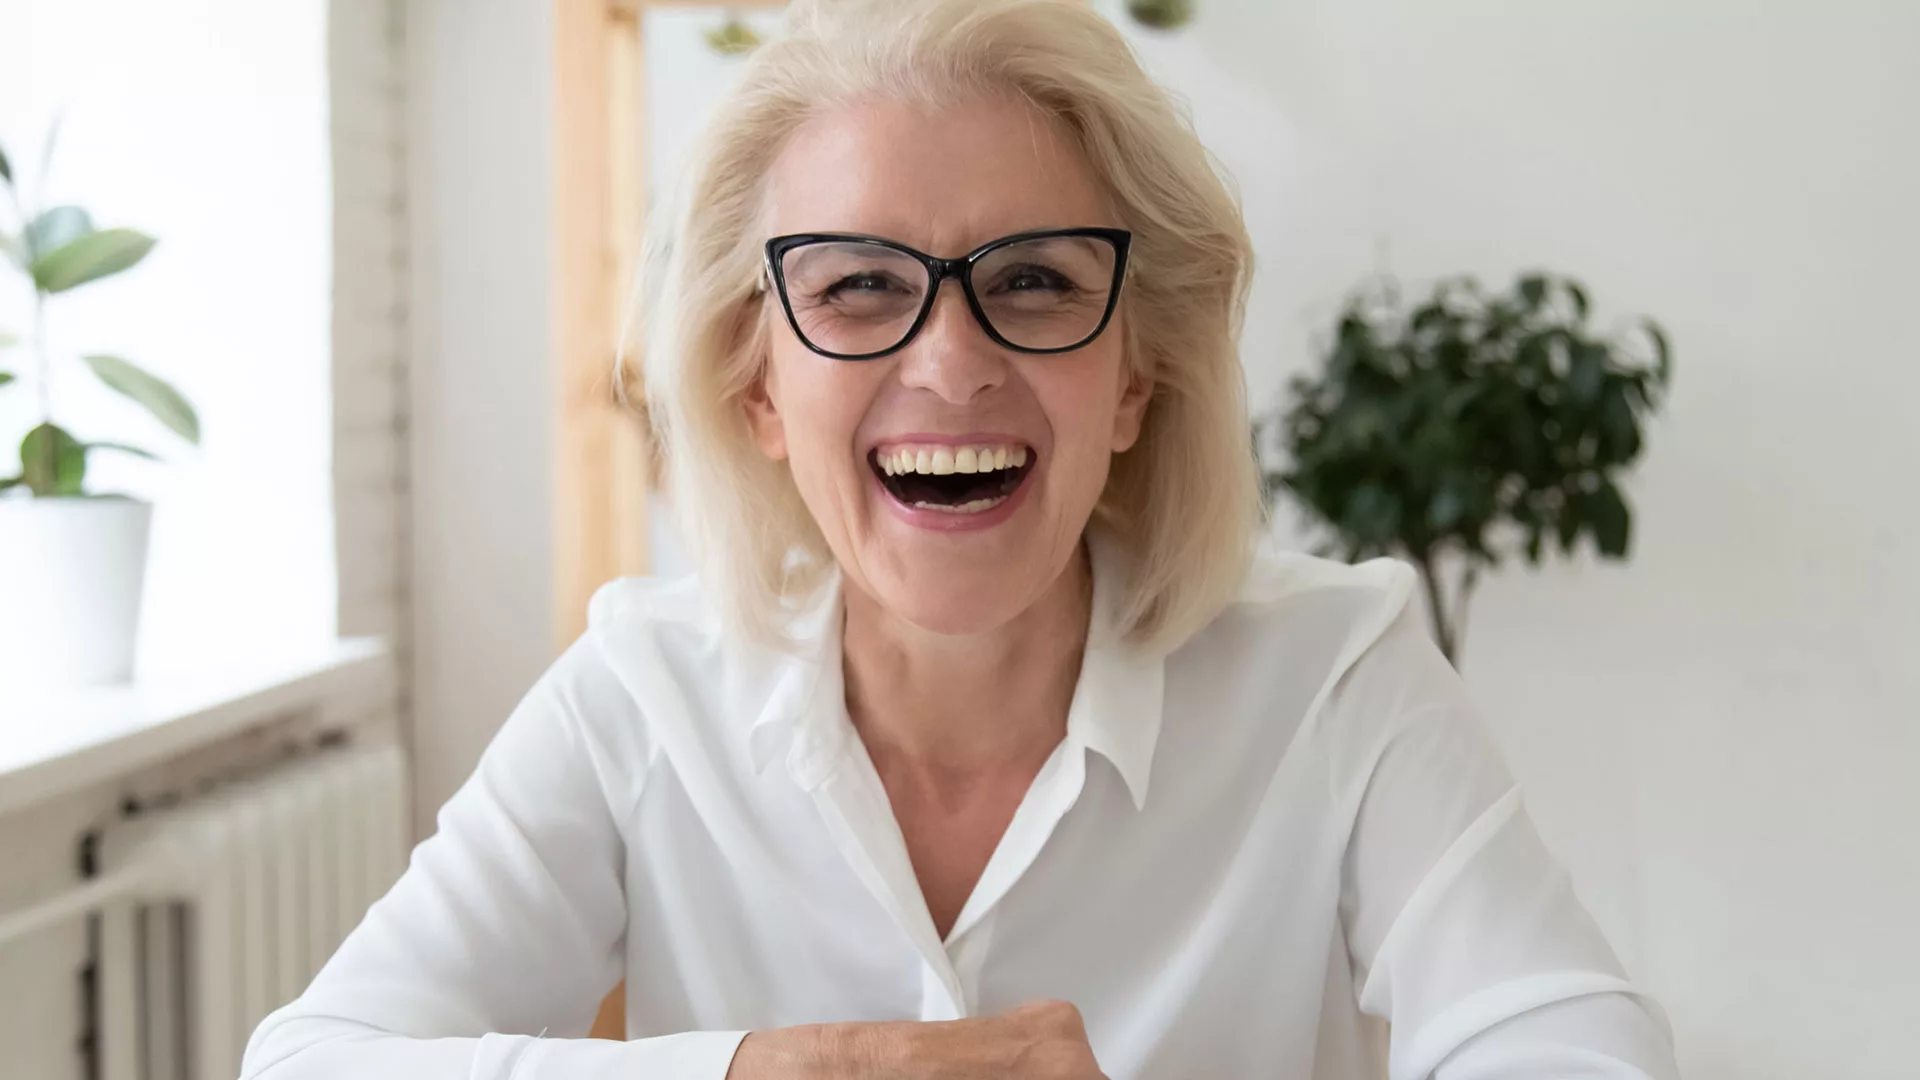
[944, 180]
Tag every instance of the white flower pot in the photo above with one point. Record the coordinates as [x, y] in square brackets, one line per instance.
[70, 577]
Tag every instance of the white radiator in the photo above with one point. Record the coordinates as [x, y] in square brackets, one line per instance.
[245, 891]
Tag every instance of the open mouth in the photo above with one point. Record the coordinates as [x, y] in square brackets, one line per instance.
[952, 479]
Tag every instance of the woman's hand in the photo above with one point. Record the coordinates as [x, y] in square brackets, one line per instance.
[1042, 1041]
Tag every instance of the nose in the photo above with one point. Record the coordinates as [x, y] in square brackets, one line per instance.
[952, 355]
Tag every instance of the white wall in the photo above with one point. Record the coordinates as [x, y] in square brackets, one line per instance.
[480, 88]
[203, 123]
[1723, 737]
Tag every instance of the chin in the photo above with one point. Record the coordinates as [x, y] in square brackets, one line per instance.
[958, 605]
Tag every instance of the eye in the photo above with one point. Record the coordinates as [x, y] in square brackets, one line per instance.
[861, 283]
[1034, 278]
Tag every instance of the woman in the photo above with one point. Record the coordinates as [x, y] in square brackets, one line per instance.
[980, 747]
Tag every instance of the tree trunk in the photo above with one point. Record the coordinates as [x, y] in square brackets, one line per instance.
[1443, 628]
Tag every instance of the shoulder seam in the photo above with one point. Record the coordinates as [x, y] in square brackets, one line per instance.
[645, 599]
[1290, 574]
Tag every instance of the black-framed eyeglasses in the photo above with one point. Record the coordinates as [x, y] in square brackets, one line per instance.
[855, 297]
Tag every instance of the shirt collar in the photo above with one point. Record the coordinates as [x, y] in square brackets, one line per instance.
[1117, 701]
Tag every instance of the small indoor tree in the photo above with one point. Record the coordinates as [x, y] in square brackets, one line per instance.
[1468, 429]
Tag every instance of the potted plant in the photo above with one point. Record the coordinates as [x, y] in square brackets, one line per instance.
[73, 559]
[1470, 429]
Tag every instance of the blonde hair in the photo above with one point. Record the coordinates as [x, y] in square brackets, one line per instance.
[1182, 501]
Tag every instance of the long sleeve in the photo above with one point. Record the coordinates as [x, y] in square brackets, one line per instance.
[1463, 931]
[487, 959]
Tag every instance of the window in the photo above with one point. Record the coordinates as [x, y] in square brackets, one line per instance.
[203, 123]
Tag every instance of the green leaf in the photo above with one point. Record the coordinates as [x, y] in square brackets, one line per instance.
[1428, 314]
[1533, 290]
[54, 229]
[160, 399]
[732, 38]
[1568, 523]
[1536, 352]
[11, 481]
[93, 256]
[1372, 515]
[1450, 504]
[1579, 299]
[5, 377]
[52, 462]
[1662, 352]
[1588, 373]
[1612, 521]
[1461, 398]
[1619, 427]
[125, 449]
[6, 168]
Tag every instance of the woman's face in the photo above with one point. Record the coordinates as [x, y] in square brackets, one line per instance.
[868, 441]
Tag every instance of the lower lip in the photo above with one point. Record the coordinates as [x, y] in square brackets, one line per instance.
[943, 521]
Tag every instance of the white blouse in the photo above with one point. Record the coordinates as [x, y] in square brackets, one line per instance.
[1239, 851]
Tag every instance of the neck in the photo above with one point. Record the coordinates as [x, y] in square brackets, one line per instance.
[956, 706]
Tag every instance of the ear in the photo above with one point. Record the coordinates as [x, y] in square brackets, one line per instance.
[763, 415]
[1132, 409]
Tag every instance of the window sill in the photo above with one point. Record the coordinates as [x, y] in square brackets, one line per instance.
[53, 742]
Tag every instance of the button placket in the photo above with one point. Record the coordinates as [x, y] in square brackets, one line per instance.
[969, 952]
[1055, 789]
[854, 805]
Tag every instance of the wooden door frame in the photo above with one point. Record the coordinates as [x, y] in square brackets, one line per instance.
[603, 452]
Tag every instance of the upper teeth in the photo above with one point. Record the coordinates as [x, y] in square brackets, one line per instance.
[942, 460]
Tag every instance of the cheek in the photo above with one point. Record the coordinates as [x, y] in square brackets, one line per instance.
[1083, 405]
[820, 402]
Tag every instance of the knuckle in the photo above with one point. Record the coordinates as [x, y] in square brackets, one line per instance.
[1066, 1015]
